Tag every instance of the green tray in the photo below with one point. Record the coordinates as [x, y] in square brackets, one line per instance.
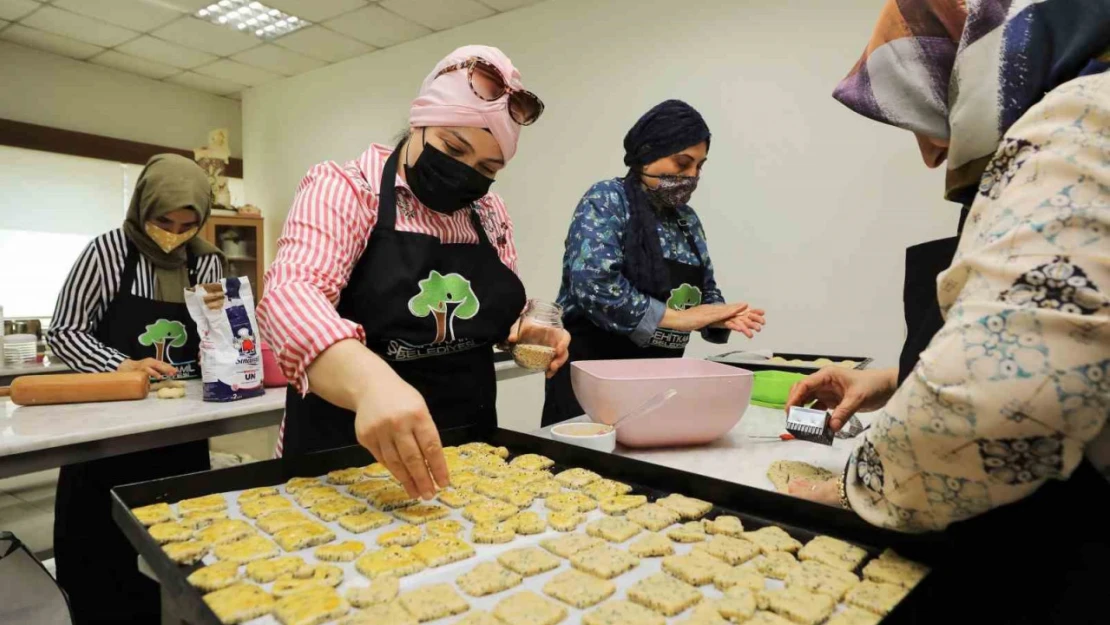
[771, 388]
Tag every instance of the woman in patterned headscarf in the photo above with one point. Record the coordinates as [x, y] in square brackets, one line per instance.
[993, 429]
[637, 276]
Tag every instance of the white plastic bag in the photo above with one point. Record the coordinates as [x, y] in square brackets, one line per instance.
[230, 356]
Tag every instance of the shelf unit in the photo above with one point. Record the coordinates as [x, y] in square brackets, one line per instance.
[249, 262]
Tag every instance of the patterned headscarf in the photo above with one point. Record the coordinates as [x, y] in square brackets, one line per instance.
[668, 128]
[959, 74]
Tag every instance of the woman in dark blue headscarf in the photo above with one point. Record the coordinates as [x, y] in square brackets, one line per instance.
[637, 278]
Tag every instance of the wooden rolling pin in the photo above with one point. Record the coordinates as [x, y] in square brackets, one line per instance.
[76, 388]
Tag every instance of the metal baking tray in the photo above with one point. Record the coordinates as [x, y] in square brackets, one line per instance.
[729, 358]
[756, 507]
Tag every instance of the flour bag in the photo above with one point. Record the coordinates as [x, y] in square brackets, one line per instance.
[230, 356]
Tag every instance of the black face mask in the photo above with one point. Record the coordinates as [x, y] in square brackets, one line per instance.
[443, 184]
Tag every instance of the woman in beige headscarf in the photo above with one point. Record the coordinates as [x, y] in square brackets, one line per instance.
[122, 309]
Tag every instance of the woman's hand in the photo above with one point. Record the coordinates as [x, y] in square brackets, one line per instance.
[393, 422]
[826, 492]
[747, 322]
[153, 368]
[530, 332]
[698, 317]
[845, 392]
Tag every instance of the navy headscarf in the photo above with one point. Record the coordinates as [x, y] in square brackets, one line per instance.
[668, 128]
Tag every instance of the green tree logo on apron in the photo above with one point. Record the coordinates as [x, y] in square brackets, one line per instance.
[447, 298]
[163, 335]
[685, 296]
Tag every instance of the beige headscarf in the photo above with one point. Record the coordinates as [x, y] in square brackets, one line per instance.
[167, 183]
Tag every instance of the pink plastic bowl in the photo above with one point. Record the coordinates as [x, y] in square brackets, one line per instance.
[710, 401]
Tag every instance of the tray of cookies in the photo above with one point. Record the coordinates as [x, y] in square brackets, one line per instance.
[530, 532]
[792, 362]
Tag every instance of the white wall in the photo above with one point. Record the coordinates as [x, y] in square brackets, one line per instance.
[49, 90]
[808, 206]
[51, 206]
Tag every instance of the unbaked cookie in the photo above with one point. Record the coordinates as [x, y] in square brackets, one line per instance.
[579, 589]
[393, 560]
[833, 552]
[442, 550]
[528, 608]
[382, 590]
[239, 603]
[664, 594]
[622, 612]
[215, 576]
[488, 578]
[434, 601]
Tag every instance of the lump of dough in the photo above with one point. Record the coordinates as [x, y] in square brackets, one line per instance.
[171, 393]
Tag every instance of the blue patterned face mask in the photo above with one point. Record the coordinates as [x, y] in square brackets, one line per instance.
[672, 191]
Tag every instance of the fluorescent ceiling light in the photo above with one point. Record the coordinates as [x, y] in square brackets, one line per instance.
[251, 17]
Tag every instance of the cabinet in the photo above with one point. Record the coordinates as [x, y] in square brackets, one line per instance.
[241, 239]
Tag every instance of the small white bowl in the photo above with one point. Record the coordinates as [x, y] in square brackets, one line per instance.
[596, 436]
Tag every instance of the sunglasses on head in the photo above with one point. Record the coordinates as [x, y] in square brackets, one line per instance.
[488, 83]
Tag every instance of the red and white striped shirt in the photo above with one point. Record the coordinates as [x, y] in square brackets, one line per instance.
[325, 234]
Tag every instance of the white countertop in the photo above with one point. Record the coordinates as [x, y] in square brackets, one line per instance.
[738, 458]
[32, 428]
[29, 429]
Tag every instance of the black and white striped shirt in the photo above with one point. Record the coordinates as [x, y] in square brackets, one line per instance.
[92, 284]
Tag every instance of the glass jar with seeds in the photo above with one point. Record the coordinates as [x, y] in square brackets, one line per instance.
[535, 347]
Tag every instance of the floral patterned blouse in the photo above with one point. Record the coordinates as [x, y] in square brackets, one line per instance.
[593, 284]
[1015, 389]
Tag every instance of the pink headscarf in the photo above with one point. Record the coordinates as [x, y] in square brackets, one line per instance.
[449, 101]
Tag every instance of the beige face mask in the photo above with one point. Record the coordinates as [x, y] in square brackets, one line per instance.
[168, 241]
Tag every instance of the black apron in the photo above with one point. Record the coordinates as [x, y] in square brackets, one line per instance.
[96, 565]
[1038, 561]
[433, 311]
[589, 342]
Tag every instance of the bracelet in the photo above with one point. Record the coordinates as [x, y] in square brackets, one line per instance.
[842, 487]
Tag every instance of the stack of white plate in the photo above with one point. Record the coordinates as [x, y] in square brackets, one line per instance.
[20, 348]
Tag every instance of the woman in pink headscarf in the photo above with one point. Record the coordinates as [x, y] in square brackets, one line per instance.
[396, 274]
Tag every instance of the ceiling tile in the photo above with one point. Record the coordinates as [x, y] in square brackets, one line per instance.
[439, 14]
[188, 6]
[508, 5]
[237, 72]
[206, 83]
[323, 44]
[316, 10]
[278, 60]
[135, 65]
[134, 14]
[15, 9]
[159, 51]
[78, 27]
[32, 38]
[378, 27]
[201, 35]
